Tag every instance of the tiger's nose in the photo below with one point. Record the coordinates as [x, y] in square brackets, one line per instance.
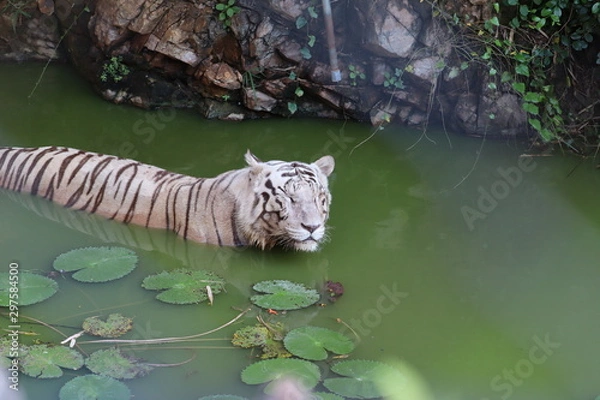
[310, 228]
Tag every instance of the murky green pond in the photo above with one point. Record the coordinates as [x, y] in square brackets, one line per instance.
[476, 266]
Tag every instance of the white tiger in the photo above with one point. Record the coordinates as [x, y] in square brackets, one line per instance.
[265, 204]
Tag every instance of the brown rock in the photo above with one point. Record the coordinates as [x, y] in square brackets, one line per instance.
[258, 101]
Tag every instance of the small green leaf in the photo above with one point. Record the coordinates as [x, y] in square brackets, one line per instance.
[305, 53]
[307, 373]
[299, 92]
[94, 387]
[524, 10]
[311, 40]
[42, 361]
[519, 87]
[547, 135]
[535, 123]
[113, 363]
[312, 343]
[301, 22]
[312, 12]
[292, 107]
[531, 108]
[533, 97]
[184, 286]
[30, 288]
[97, 264]
[220, 6]
[522, 69]
[284, 295]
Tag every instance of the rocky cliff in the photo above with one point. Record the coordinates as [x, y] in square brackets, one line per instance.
[240, 59]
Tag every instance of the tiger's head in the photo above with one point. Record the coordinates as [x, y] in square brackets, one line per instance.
[290, 204]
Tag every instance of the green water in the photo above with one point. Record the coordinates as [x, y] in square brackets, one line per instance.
[473, 265]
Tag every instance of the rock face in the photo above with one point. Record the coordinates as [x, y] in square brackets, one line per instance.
[253, 58]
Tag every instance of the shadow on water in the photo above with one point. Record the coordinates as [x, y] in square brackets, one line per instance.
[466, 259]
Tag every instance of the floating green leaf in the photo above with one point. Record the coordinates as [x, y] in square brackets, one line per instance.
[184, 286]
[283, 295]
[307, 373]
[5, 349]
[42, 361]
[250, 336]
[114, 326]
[113, 363]
[25, 288]
[326, 396]
[97, 264]
[94, 387]
[312, 343]
[360, 379]
[267, 339]
[222, 397]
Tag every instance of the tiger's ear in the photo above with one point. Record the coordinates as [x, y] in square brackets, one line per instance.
[251, 159]
[326, 164]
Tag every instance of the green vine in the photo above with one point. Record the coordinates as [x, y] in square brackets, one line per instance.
[226, 12]
[302, 22]
[526, 42]
[15, 10]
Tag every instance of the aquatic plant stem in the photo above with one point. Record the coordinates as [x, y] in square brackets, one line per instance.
[168, 339]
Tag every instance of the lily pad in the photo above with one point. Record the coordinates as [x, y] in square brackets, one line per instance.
[284, 295]
[31, 288]
[312, 342]
[94, 387]
[42, 361]
[326, 396]
[114, 326]
[250, 336]
[307, 373]
[184, 286]
[113, 363]
[360, 379]
[5, 349]
[267, 339]
[97, 264]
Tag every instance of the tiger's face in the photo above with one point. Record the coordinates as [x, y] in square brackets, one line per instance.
[291, 202]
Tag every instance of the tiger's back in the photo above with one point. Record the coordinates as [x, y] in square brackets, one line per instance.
[208, 210]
